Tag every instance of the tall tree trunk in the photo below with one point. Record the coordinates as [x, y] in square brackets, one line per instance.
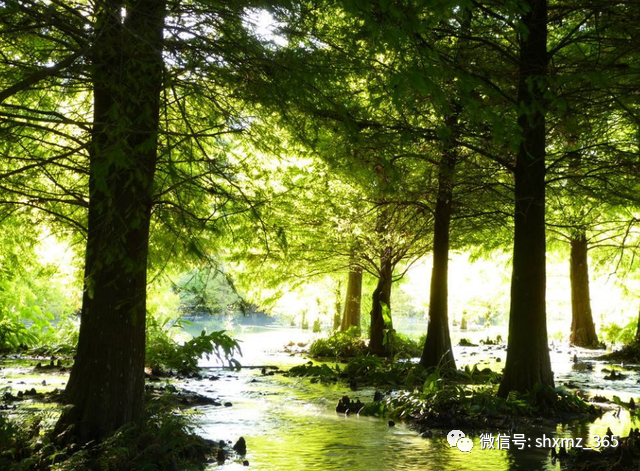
[337, 313]
[106, 385]
[528, 360]
[437, 347]
[381, 308]
[583, 330]
[351, 316]
[637, 336]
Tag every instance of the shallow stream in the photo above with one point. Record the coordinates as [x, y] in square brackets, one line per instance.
[291, 424]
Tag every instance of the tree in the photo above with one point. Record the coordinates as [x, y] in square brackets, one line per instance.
[167, 179]
[127, 74]
[353, 297]
[528, 362]
[583, 330]
[438, 351]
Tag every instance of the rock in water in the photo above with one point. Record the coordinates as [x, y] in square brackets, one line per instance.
[240, 446]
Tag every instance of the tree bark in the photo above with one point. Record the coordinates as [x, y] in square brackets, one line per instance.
[351, 316]
[437, 347]
[381, 302]
[583, 330]
[437, 351]
[528, 360]
[337, 314]
[106, 385]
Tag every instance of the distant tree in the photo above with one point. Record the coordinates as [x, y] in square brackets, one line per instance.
[353, 298]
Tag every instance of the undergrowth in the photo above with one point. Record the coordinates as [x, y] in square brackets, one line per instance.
[442, 404]
[445, 398]
[163, 440]
[343, 345]
[381, 372]
[164, 353]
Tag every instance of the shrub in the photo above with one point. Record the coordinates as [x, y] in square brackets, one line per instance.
[614, 333]
[164, 353]
[404, 347]
[14, 334]
[443, 404]
[340, 345]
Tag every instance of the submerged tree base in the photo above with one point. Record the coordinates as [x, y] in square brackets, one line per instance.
[625, 456]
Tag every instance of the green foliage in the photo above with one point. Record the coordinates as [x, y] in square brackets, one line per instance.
[340, 345]
[318, 373]
[630, 353]
[474, 375]
[375, 371]
[163, 440]
[14, 334]
[207, 290]
[615, 333]
[164, 353]
[13, 437]
[344, 345]
[34, 305]
[444, 402]
[404, 347]
[365, 370]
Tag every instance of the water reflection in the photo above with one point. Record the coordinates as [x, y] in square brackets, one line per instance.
[290, 424]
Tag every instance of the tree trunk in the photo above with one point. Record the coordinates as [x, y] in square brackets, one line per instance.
[351, 316]
[637, 336]
[106, 385]
[528, 361]
[583, 331]
[437, 347]
[381, 308]
[337, 313]
[438, 351]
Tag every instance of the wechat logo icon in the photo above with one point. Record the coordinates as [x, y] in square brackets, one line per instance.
[458, 439]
